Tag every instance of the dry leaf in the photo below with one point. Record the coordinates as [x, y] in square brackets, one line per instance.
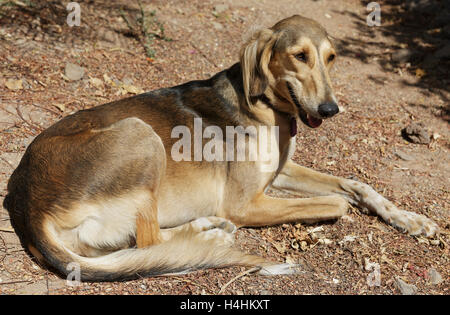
[132, 89]
[96, 82]
[14, 84]
[107, 79]
[304, 246]
[281, 248]
[290, 260]
[420, 73]
[61, 107]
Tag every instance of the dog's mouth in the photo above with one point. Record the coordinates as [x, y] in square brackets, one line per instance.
[307, 119]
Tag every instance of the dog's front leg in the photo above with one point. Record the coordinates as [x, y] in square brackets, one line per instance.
[298, 179]
[266, 211]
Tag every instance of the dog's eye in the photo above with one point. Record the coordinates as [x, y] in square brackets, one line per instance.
[301, 57]
[331, 58]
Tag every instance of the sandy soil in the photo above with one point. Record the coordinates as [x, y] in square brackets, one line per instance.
[380, 96]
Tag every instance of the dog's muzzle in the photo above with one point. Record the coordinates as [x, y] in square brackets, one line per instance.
[328, 110]
[307, 119]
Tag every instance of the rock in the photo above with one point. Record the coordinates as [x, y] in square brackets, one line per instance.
[446, 31]
[404, 55]
[405, 288]
[435, 277]
[110, 36]
[220, 8]
[416, 133]
[444, 52]
[441, 19]
[434, 59]
[74, 72]
[404, 156]
[217, 26]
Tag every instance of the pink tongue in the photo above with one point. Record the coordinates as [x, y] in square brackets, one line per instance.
[314, 122]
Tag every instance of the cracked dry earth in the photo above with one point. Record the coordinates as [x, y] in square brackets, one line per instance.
[364, 142]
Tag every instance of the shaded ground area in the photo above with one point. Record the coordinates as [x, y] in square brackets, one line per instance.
[381, 91]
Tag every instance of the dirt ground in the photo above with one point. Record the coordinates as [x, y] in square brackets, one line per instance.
[381, 92]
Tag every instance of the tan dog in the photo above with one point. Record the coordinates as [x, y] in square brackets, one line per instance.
[101, 187]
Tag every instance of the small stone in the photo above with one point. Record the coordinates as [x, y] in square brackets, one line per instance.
[416, 133]
[444, 52]
[110, 36]
[404, 156]
[435, 277]
[403, 55]
[220, 8]
[217, 26]
[74, 72]
[405, 288]
[433, 60]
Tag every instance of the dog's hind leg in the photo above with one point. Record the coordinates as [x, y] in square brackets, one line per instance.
[122, 168]
[147, 227]
[298, 179]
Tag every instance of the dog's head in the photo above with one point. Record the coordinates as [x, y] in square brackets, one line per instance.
[290, 64]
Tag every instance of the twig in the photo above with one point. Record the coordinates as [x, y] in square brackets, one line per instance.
[8, 230]
[237, 277]
[48, 109]
[19, 112]
[6, 161]
[407, 110]
[13, 282]
[203, 55]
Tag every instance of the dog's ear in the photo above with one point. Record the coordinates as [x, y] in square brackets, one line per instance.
[255, 58]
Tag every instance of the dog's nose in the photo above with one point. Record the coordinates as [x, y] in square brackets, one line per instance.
[328, 110]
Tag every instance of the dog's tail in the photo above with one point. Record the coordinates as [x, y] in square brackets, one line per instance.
[185, 252]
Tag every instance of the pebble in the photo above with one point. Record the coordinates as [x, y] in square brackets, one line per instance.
[405, 288]
[433, 60]
[416, 133]
[435, 277]
[221, 8]
[404, 156]
[217, 26]
[74, 72]
[403, 55]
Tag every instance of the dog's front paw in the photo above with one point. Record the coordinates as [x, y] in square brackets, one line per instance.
[413, 223]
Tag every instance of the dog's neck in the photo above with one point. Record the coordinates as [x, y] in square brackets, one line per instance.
[262, 110]
[292, 120]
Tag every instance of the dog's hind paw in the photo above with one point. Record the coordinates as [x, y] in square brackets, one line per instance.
[281, 269]
[413, 223]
